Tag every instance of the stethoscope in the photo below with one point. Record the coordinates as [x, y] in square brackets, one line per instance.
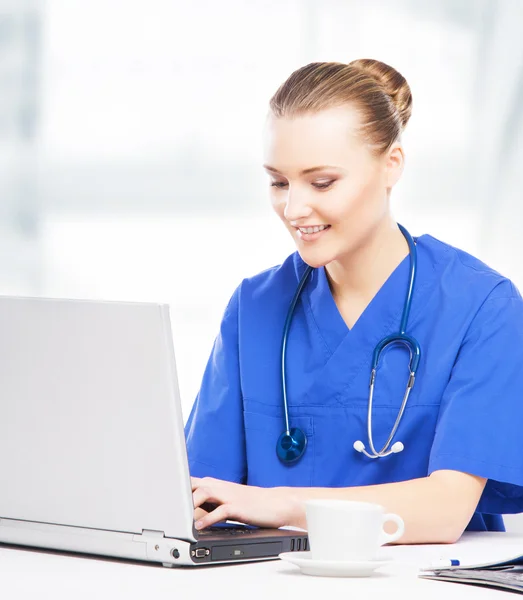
[292, 442]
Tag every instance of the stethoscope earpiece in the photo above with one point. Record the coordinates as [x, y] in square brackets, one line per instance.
[397, 447]
[358, 446]
[394, 449]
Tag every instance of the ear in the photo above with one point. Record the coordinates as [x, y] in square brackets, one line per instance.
[394, 162]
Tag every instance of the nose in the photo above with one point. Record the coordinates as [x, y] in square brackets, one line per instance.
[296, 208]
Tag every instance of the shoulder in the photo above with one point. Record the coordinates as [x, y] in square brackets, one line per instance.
[275, 282]
[460, 274]
[260, 296]
[267, 290]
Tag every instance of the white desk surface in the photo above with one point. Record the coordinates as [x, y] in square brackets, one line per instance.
[34, 574]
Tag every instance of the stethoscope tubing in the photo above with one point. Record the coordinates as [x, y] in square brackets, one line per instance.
[292, 443]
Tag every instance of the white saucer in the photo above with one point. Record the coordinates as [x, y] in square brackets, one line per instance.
[333, 568]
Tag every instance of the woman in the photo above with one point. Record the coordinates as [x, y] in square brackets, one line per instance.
[333, 152]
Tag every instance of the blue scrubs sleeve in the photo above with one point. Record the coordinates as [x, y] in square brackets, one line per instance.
[214, 431]
[480, 423]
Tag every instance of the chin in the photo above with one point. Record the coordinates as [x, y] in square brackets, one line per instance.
[315, 259]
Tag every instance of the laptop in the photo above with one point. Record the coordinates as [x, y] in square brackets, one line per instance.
[92, 447]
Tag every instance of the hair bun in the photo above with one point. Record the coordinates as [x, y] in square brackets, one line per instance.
[392, 83]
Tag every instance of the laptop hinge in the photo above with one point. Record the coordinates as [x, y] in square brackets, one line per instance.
[152, 533]
[157, 547]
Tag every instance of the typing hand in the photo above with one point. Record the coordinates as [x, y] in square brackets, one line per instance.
[216, 500]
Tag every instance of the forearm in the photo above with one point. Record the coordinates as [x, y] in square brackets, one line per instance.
[432, 510]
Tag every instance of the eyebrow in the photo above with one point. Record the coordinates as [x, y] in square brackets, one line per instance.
[305, 171]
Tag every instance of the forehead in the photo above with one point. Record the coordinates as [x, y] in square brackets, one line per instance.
[329, 137]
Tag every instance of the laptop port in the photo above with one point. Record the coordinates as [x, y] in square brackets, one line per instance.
[200, 552]
[298, 547]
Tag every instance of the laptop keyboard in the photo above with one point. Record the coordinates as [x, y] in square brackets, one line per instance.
[232, 530]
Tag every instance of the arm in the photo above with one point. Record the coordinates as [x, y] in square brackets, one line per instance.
[435, 509]
[214, 432]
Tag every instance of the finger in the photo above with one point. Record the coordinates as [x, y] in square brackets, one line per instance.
[199, 513]
[216, 516]
[204, 495]
[195, 482]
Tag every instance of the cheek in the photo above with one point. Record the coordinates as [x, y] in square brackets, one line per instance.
[356, 200]
[278, 205]
[341, 204]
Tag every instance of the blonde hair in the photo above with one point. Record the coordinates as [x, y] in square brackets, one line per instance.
[379, 93]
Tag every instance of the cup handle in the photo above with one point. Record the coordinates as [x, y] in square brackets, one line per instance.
[392, 537]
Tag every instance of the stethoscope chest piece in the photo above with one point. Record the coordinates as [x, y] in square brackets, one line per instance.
[291, 445]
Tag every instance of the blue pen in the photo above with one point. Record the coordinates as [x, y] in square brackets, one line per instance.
[442, 564]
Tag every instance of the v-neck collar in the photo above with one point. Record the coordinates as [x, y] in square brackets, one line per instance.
[386, 305]
[350, 351]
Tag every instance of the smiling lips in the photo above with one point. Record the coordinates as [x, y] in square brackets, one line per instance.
[313, 229]
[309, 234]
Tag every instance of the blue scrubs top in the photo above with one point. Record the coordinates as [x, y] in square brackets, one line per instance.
[465, 411]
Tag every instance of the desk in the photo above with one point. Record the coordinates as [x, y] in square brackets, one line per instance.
[35, 574]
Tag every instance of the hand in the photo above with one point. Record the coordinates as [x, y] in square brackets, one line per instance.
[224, 500]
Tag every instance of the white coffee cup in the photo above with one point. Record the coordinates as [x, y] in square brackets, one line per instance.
[346, 530]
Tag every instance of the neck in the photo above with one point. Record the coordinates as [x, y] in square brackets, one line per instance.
[361, 273]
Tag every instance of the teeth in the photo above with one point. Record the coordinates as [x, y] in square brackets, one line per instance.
[313, 229]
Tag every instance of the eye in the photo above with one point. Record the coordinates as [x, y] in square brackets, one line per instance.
[323, 186]
[320, 186]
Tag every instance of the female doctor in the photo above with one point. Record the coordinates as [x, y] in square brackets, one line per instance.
[369, 365]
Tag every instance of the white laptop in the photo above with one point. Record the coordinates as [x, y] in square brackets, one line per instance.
[92, 447]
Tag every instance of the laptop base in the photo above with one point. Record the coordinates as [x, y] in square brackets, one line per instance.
[150, 545]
